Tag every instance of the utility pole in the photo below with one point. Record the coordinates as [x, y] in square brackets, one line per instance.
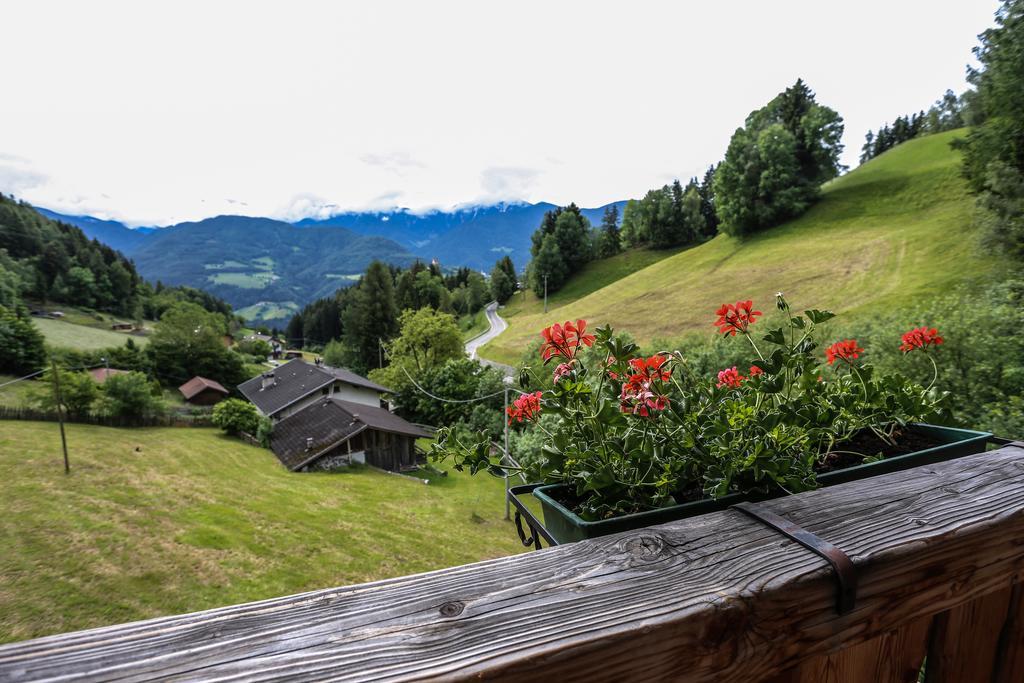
[545, 292]
[505, 416]
[380, 352]
[60, 415]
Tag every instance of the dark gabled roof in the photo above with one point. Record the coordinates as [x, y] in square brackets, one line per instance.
[297, 379]
[346, 375]
[326, 422]
[198, 384]
[381, 419]
[329, 423]
[292, 381]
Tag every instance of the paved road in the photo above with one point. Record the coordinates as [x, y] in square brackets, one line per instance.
[498, 325]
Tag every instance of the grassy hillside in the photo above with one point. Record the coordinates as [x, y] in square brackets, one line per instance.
[81, 337]
[161, 521]
[892, 231]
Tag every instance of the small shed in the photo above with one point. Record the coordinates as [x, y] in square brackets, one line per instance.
[100, 375]
[122, 326]
[203, 392]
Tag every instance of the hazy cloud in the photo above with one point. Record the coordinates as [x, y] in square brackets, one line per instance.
[17, 175]
[398, 163]
[508, 182]
[307, 206]
[352, 109]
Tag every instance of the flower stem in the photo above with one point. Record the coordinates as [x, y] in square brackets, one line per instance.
[935, 372]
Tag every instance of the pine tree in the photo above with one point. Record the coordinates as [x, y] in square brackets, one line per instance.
[707, 202]
[371, 318]
[548, 263]
[505, 263]
[868, 149]
[610, 243]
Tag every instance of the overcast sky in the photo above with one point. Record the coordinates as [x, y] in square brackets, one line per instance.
[154, 113]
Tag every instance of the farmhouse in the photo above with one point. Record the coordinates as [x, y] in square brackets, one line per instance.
[291, 387]
[330, 415]
[203, 392]
[334, 432]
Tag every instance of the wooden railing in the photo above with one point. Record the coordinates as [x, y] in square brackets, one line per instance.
[939, 552]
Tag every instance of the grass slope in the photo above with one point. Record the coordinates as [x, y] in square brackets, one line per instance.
[81, 337]
[891, 231]
[161, 521]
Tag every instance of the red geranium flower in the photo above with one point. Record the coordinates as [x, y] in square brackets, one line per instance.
[649, 369]
[564, 340]
[562, 370]
[524, 408]
[639, 395]
[730, 377]
[737, 317]
[846, 350]
[920, 338]
[755, 371]
[640, 400]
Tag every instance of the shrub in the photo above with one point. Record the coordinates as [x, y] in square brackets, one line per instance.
[77, 389]
[235, 416]
[131, 395]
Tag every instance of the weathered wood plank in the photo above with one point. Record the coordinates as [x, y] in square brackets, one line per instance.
[1010, 654]
[965, 640]
[894, 657]
[714, 598]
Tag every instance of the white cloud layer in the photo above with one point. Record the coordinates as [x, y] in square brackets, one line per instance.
[154, 113]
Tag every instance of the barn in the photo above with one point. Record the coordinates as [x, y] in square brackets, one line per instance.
[203, 392]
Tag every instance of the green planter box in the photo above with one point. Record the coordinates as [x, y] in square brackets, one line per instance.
[565, 526]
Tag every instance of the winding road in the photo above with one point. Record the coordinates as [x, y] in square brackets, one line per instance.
[497, 326]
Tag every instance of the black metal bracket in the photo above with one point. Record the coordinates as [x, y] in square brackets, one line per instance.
[842, 566]
[537, 530]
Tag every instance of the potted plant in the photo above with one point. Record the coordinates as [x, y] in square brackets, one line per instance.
[642, 440]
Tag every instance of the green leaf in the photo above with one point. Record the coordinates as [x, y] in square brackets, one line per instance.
[817, 317]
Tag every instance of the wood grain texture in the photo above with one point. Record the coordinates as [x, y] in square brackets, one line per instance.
[716, 598]
[965, 640]
[894, 657]
[1010, 653]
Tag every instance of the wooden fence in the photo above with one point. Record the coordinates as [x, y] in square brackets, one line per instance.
[939, 552]
[168, 420]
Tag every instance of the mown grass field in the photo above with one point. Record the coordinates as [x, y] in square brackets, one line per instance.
[888, 233]
[162, 521]
[268, 310]
[17, 394]
[81, 337]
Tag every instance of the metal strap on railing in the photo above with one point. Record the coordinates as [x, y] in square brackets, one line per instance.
[842, 566]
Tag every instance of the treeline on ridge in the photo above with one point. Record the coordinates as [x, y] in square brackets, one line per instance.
[351, 326]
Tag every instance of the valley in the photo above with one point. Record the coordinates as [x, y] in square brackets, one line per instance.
[268, 269]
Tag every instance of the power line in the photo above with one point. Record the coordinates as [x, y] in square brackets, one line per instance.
[452, 400]
[36, 374]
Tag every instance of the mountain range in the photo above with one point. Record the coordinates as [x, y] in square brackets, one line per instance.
[267, 268]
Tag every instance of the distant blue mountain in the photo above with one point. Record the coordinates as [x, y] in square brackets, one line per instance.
[260, 262]
[112, 233]
[473, 236]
